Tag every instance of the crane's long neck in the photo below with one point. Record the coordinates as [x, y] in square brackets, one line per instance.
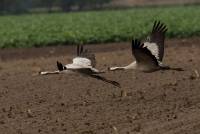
[55, 72]
[49, 72]
[130, 66]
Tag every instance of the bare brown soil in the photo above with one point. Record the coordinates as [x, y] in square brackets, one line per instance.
[163, 102]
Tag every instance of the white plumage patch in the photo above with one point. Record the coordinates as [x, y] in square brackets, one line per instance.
[75, 66]
[153, 47]
[82, 61]
[79, 63]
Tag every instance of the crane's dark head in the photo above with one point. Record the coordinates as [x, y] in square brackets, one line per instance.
[60, 66]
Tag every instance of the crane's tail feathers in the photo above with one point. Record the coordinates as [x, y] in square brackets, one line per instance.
[171, 68]
[176, 69]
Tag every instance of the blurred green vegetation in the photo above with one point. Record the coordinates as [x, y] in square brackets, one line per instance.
[96, 26]
[30, 6]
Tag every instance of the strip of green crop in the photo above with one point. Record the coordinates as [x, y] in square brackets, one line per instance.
[96, 27]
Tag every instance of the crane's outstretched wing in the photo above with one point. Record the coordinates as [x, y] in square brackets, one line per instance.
[84, 53]
[143, 55]
[157, 38]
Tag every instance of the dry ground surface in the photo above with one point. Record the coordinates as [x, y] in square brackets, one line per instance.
[163, 102]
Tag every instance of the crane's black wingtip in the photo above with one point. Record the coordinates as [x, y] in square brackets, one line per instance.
[136, 43]
[116, 84]
[159, 27]
[78, 52]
